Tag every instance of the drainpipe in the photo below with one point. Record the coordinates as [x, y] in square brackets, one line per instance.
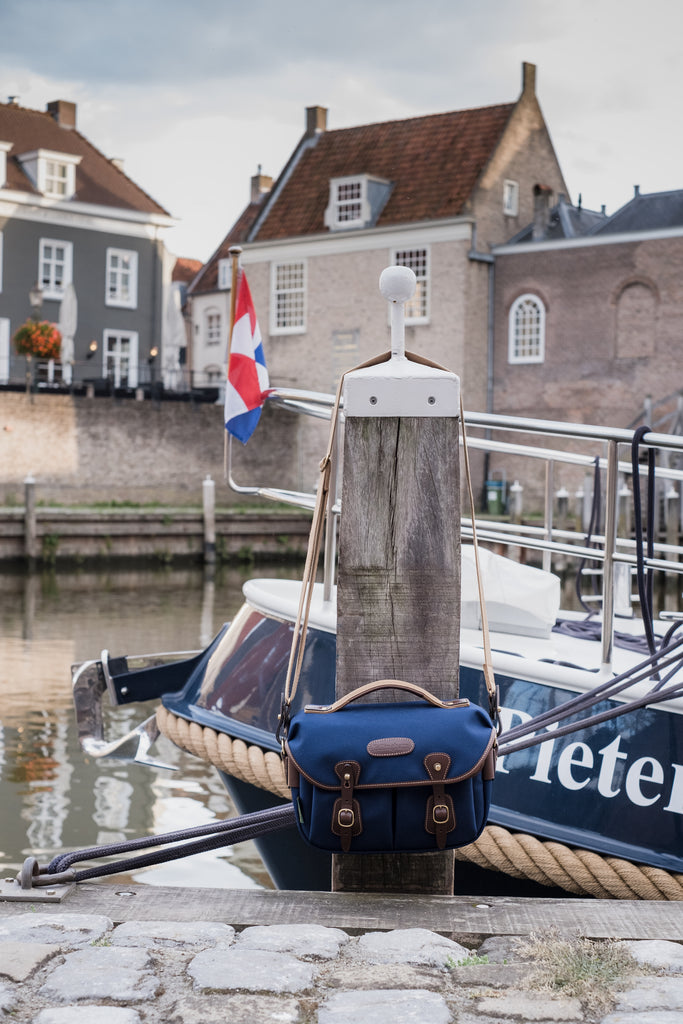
[486, 257]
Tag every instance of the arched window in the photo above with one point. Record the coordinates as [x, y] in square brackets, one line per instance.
[526, 330]
[636, 321]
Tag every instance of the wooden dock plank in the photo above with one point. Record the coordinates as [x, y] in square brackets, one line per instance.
[466, 918]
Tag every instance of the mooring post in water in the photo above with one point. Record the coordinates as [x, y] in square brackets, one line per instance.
[209, 508]
[30, 525]
[398, 598]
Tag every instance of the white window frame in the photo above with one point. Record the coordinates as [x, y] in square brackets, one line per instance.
[113, 335]
[224, 274]
[35, 164]
[4, 150]
[279, 322]
[121, 279]
[61, 162]
[510, 197]
[4, 349]
[213, 326]
[51, 288]
[56, 179]
[417, 310]
[341, 205]
[535, 348]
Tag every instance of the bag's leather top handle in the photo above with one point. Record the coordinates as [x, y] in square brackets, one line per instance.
[386, 684]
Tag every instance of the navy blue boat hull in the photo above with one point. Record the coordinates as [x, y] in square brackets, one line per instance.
[616, 789]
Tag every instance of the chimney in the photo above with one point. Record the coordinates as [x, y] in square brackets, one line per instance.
[636, 191]
[529, 78]
[63, 112]
[543, 195]
[260, 185]
[316, 121]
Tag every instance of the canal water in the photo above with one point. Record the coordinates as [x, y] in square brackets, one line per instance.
[52, 797]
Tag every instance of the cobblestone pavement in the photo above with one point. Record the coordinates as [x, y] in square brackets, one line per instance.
[81, 969]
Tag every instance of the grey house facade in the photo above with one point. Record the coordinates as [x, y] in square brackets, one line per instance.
[73, 224]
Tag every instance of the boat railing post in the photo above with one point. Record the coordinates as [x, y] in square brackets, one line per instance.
[610, 544]
[548, 517]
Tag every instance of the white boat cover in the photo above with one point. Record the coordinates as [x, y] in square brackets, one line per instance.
[519, 598]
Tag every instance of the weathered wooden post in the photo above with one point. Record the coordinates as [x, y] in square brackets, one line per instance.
[209, 517]
[398, 600]
[30, 524]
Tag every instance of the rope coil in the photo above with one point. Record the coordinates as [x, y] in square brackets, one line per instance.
[519, 855]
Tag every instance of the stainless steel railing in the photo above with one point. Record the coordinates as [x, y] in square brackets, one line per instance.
[521, 441]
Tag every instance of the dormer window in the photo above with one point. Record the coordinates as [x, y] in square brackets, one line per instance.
[349, 202]
[56, 181]
[53, 174]
[355, 202]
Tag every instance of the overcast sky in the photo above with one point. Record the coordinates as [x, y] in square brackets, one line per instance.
[195, 95]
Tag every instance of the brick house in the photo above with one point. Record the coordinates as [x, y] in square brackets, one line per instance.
[588, 319]
[434, 193]
[71, 217]
[589, 312]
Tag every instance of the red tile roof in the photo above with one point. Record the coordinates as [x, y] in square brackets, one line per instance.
[185, 269]
[98, 180]
[208, 280]
[434, 163]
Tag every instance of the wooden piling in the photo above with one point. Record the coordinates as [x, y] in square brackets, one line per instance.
[209, 517]
[398, 598]
[30, 524]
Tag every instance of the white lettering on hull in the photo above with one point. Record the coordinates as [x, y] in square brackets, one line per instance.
[643, 781]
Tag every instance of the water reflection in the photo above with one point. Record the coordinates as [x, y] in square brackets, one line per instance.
[52, 797]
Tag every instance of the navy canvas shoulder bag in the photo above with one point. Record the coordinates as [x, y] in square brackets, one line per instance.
[412, 776]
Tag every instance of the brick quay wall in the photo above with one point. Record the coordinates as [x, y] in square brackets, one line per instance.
[118, 478]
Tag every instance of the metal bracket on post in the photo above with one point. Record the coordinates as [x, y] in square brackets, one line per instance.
[400, 386]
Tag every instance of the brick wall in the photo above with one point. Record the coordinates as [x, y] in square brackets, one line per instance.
[87, 450]
[590, 373]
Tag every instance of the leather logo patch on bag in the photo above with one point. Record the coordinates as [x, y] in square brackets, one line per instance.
[390, 746]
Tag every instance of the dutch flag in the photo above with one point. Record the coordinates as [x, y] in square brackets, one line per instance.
[247, 384]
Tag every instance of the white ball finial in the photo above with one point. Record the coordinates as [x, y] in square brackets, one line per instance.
[397, 284]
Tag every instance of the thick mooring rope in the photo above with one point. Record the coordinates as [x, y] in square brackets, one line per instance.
[262, 768]
[516, 854]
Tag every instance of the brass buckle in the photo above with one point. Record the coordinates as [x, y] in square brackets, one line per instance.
[443, 808]
[346, 811]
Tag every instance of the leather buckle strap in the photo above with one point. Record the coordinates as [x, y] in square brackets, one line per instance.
[440, 814]
[346, 819]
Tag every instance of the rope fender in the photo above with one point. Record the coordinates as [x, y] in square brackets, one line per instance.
[519, 855]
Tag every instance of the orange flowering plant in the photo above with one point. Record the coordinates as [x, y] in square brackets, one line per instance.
[38, 338]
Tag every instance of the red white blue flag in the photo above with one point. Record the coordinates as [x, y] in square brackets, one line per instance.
[247, 384]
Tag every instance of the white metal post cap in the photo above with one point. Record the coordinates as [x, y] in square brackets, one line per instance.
[400, 386]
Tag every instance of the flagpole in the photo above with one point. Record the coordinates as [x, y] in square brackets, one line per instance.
[235, 251]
